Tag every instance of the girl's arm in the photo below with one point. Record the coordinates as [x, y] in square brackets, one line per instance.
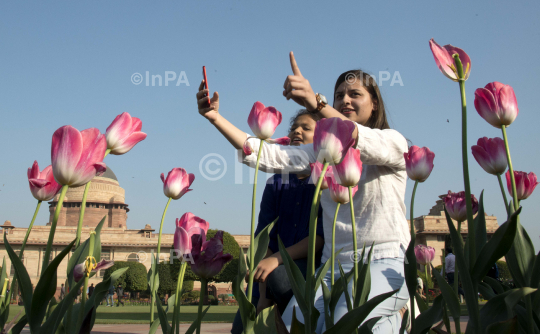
[296, 251]
[234, 135]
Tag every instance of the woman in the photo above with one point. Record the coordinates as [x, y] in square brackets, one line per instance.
[379, 202]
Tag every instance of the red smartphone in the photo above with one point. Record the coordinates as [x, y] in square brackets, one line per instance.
[206, 84]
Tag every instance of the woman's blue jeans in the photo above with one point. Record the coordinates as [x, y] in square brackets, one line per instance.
[386, 275]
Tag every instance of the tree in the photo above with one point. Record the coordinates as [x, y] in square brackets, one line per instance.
[168, 278]
[134, 279]
[228, 273]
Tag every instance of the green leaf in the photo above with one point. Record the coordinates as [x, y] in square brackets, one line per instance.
[323, 270]
[449, 295]
[521, 257]
[494, 284]
[265, 322]
[193, 326]
[45, 289]
[25, 285]
[411, 271]
[97, 239]
[367, 326]
[77, 257]
[53, 322]
[298, 283]
[429, 317]
[535, 276]
[246, 309]
[261, 244]
[471, 296]
[328, 317]
[338, 289]
[486, 291]
[503, 327]
[422, 306]
[404, 321]
[480, 226]
[155, 326]
[499, 244]
[20, 325]
[296, 326]
[165, 327]
[363, 285]
[500, 307]
[345, 284]
[352, 319]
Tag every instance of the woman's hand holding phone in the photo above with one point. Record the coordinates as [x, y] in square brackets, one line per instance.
[209, 112]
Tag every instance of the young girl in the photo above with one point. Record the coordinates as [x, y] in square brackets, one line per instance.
[379, 202]
[288, 197]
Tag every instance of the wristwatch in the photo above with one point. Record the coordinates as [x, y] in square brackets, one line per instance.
[321, 103]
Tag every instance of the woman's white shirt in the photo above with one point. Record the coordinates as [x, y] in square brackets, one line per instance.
[379, 206]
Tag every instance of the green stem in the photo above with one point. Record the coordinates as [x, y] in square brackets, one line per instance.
[179, 284]
[355, 246]
[510, 169]
[53, 229]
[333, 258]
[252, 235]
[201, 299]
[473, 309]
[503, 193]
[81, 215]
[154, 276]
[29, 230]
[456, 270]
[413, 241]
[85, 285]
[107, 153]
[311, 248]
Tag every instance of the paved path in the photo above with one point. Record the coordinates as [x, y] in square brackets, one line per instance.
[143, 328]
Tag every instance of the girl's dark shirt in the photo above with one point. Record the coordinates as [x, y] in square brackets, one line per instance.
[290, 200]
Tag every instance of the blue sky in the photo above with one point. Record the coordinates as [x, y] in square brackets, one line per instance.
[72, 63]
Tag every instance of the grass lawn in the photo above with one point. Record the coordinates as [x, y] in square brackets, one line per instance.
[141, 314]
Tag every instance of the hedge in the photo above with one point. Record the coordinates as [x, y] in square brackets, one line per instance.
[134, 279]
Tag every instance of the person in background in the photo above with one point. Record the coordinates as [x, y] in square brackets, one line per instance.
[420, 287]
[450, 263]
[120, 294]
[62, 291]
[110, 295]
[90, 290]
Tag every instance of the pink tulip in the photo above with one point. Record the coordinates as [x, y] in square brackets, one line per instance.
[490, 154]
[177, 183]
[80, 270]
[496, 103]
[332, 139]
[455, 205]
[263, 121]
[208, 257]
[419, 163]
[525, 184]
[316, 169]
[285, 141]
[42, 184]
[77, 157]
[338, 193]
[424, 254]
[348, 172]
[124, 133]
[445, 61]
[186, 227]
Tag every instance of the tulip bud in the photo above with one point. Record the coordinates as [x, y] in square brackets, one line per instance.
[42, 184]
[339, 193]
[456, 206]
[187, 226]
[349, 170]
[177, 183]
[124, 133]
[419, 163]
[445, 60]
[491, 155]
[497, 104]
[263, 121]
[424, 254]
[525, 184]
[332, 139]
[316, 170]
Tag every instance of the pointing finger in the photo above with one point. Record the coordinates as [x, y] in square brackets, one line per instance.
[294, 66]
